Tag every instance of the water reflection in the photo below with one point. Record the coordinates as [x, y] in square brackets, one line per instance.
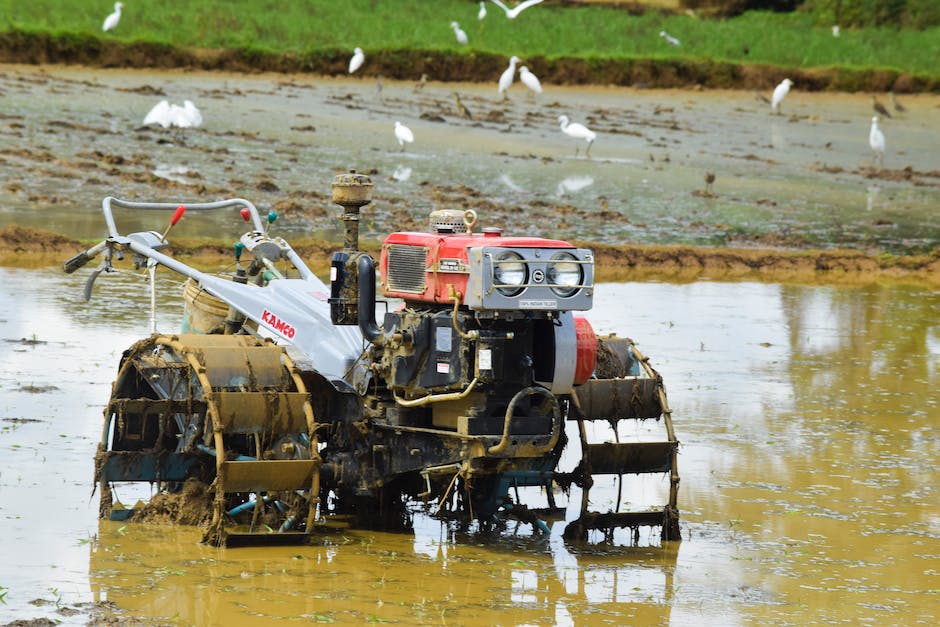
[871, 196]
[808, 422]
[443, 578]
[778, 139]
[574, 184]
[508, 182]
[401, 173]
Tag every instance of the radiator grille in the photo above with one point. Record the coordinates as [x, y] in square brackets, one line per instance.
[406, 265]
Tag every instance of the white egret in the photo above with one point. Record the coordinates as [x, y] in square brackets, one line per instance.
[577, 131]
[516, 10]
[167, 115]
[780, 92]
[530, 80]
[357, 60]
[835, 30]
[403, 134]
[876, 139]
[159, 114]
[191, 114]
[482, 13]
[458, 32]
[112, 20]
[505, 80]
[672, 41]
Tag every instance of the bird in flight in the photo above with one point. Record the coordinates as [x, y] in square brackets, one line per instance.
[514, 12]
[577, 131]
[112, 20]
[780, 92]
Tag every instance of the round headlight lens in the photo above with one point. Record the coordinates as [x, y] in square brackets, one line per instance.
[509, 270]
[564, 274]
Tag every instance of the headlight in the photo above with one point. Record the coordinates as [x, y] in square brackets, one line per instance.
[509, 269]
[564, 274]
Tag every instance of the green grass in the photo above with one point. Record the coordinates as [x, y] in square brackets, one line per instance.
[304, 27]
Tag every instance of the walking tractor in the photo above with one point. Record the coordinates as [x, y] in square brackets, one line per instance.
[288, 408]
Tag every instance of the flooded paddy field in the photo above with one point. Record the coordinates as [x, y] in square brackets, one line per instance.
[808, 422]
[804, 179]
[807, 414]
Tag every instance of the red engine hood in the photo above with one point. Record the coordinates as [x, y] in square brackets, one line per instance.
[445, 262]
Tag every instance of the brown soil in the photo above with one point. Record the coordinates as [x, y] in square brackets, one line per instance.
[42, 48]
[613, 262]
[191, 506]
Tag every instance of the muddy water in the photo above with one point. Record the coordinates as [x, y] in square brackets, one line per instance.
[70, 136]
[809, 425]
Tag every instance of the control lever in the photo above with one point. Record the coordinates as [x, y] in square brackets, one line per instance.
[104, 266]
[79, 260]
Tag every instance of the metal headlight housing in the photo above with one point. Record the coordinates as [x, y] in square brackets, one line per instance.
[510, 273]
[529, 278]
[564, 274]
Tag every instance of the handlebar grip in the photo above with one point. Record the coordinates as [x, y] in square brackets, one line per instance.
[76, 262]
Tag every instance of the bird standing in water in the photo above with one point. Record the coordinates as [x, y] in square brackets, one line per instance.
[111, 21]
[530, 80]
[577, 131]
[505, 80]
[879, 108]
[709, 179]
[780, 92]
[462, 110]
[876, 139]
[897, 105]
[403, 134]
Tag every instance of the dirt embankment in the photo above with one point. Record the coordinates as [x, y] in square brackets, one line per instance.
[36, 48]
[27, 247]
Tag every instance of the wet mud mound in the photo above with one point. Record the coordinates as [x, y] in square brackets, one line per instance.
[192, 505]
[28, 247]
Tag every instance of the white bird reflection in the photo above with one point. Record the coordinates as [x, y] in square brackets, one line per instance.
[574, 183]
[177, 173]
[401, 173]
[871, 198]
[508, 182]
[777, 139]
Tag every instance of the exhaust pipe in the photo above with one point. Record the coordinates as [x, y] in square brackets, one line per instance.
[370, 329]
